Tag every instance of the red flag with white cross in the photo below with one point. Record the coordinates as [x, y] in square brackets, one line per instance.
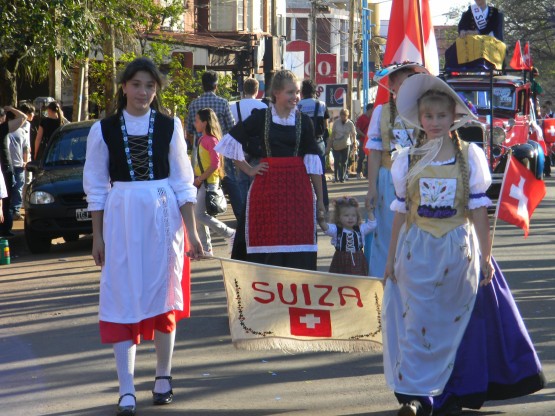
[310, 322]
[521, 193]
[549, 130]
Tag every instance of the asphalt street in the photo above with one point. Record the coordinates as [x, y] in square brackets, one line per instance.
[52, 362]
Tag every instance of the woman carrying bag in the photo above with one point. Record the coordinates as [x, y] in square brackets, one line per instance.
[207, 178]
[343, 135]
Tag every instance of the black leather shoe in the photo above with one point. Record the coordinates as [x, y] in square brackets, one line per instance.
[127, 410]
[162, 398]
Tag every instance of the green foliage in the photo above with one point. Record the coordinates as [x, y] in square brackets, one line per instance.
[181, 87]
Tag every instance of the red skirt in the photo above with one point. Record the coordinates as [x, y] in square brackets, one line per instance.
[281, 209]
[111, 332]
[345, 263]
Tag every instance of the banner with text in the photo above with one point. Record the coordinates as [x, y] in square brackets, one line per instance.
[296, 310]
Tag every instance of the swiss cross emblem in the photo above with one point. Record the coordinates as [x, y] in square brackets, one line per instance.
[310, 322]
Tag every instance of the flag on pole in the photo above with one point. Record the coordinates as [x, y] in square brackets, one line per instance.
[273, 307]
[410, 37]
[520, 194]
[521, 60]
[527, 57]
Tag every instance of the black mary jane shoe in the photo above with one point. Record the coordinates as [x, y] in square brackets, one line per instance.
[127, 410]
[162, 398]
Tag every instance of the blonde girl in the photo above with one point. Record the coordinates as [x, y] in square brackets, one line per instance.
[208, 169]
[385, 132]
[443, 310]
[347, 234]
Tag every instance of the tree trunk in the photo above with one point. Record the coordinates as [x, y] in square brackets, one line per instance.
[81, 90]
[8, 86]
[109, 51]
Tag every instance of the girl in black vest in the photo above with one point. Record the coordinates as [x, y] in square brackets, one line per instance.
[139, 185]
[347, 235]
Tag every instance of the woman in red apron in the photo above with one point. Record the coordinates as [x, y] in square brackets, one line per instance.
[279, 225]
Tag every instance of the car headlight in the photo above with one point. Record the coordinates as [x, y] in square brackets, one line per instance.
[498, 135]
[41, 198]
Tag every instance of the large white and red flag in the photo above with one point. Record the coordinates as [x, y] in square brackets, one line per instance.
[520, 194]
[410, 37]
[298, 310]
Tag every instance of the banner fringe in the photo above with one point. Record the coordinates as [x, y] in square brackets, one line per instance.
[294, 345]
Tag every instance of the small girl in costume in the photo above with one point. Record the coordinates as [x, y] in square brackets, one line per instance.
[347, 235]
[446, 304]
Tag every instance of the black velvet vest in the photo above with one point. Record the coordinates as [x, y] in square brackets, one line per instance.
[113, 137]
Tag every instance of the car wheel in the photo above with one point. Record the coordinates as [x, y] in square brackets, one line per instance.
[71, 237]
[37, 244]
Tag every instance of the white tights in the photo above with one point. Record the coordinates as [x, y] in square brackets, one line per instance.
[125, 352]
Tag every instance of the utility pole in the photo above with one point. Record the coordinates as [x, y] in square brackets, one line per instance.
[313, 38]
[316, 6]
[351, 49]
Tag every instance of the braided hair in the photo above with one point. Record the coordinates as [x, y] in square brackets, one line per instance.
[434, 96]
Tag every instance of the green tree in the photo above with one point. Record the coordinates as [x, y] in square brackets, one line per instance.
[32, 31]
[536, 26]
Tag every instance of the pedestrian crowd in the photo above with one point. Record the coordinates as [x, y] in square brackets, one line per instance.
[446, 301]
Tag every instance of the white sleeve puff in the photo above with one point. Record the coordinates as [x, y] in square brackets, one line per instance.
[374, 133]
[96, 175]
[399, 171]
[480, 177]
[229, 147]
[313, 164]
[181, 172]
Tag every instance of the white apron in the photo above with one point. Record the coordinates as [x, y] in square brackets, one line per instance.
[144, 242]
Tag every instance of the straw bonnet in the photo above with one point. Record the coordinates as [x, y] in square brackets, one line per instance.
[415, 86]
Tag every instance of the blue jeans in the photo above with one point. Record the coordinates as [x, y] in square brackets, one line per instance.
[17, 190]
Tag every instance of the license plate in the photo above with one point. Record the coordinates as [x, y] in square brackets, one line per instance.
[82, 214]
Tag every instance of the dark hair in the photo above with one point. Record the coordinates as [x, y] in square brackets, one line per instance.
[27, 108]
[548, 102]
[369, 106]
[208, 116]
[209, 81]
[279, 80]
[308, 88]
[345, 202]
[250, 86]
[54, 106]
[137, 65]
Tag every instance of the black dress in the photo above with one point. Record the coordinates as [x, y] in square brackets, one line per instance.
[278, 227]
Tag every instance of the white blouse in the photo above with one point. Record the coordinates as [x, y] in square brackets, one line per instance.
[365, 228]
[96, 176]
[374, 133]
[480, 179]
[229, 147]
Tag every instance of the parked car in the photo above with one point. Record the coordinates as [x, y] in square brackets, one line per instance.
[507, 120]
[54, 202]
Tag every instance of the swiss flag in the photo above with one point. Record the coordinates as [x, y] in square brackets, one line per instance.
[527, 57]
[520, 195]
[310, 322]
[410, 37]
[521, 60]
[549, 130]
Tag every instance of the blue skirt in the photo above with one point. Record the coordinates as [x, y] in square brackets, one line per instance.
[377, 243]
[496, 359]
